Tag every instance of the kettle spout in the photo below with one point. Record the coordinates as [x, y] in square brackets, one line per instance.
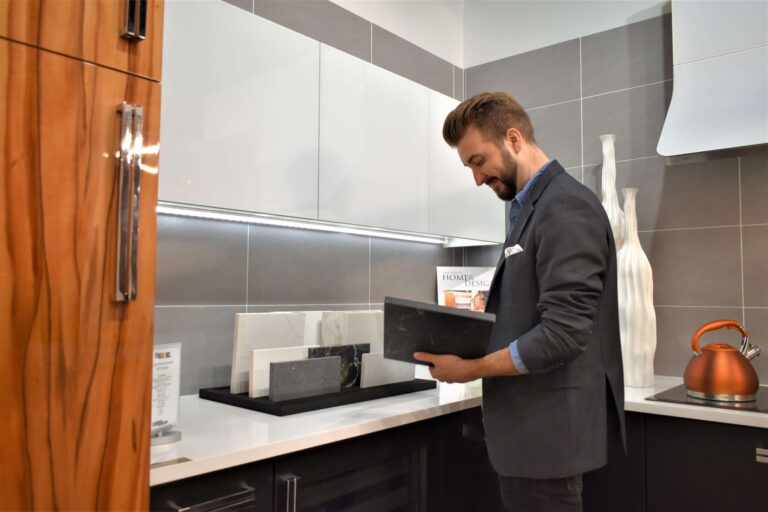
[753, 352]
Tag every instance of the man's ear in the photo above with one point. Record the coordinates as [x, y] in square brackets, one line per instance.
[514, 139]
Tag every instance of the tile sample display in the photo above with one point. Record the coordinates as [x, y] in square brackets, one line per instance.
[377, 371]
[257, 331]
[344, 327]
[298, 379]
[351, 360]
[258, 381]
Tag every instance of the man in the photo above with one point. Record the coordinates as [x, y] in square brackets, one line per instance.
[553, 395]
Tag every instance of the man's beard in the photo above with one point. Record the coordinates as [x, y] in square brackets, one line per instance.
[508, 178]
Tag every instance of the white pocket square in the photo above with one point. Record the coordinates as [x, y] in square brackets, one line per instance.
[509, 251]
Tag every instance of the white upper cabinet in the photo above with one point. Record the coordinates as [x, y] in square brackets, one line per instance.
[239, 123]
[374, 145]
[458, 207]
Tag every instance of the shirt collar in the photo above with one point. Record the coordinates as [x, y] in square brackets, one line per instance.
[521, 196]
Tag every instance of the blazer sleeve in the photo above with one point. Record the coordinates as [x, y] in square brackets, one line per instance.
[572, 255]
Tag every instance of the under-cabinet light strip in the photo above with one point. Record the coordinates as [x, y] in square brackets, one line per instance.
[287, 222]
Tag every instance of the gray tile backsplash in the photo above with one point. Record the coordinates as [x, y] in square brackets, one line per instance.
[558, 131]
[538, 78]
[406, 59]
[754, 189]
[628, 56]
[755, 247]
[200, 261]
[636, 116]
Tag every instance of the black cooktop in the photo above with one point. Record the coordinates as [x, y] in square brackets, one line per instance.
[678, 395]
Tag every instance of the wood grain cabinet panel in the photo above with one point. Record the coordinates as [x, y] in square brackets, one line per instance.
[86, 29]
[75, 366]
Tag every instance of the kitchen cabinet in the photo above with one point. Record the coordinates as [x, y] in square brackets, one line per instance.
[75, 352]
[89, 30]
[704, 466]
[240, 112]
[374, 145]
[457, 207]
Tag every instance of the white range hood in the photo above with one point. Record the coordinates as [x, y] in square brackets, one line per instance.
[720, 97]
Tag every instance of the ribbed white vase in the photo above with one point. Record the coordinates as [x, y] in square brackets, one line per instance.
[637, 317]
[610, 197]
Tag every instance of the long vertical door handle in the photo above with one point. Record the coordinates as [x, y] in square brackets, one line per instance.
[135, 20]
[129, 193]
[290, 492]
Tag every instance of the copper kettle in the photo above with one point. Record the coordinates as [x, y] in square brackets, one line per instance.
[719, 371]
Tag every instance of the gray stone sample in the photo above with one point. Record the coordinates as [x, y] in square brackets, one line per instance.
[351, 360]
[299, 379]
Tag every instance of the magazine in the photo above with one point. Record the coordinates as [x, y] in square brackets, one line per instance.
[464, 287]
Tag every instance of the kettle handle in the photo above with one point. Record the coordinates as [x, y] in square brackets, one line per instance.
[715, 325]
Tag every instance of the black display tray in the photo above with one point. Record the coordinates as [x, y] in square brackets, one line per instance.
[313, 403]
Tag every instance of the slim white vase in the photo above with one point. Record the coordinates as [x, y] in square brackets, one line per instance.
[610, 198]
[637, 317]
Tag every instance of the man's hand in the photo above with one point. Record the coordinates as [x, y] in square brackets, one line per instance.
[449, 368]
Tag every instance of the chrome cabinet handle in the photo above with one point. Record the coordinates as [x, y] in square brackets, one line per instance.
[290, 492]
[244, 499]
[128, 195]
[761, 455]
[135, 20]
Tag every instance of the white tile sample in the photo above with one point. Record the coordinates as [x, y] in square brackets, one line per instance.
[378, 371]
[257, 331]
[258, 382]
[350, 327]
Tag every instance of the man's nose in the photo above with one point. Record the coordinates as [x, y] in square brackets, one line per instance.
[479, 177]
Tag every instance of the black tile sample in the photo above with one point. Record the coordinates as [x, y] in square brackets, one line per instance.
[351, 360]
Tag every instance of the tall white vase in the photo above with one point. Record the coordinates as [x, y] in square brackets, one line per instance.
[610, 198]
[637, 317]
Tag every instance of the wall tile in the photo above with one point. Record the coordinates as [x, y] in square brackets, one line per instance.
[756, 323]
[323, 21]
[483, 256]
[243, 4]
[270, 308]
[695, 267]
[636, 116]
[754, 189]
[294, 266]
[677, 196]
[206, 335]
[628, 56]
[537, 78]
[755, 246]
[676, 326]
[558, 132]
[458, 83]
[406, 269]
[406, 59]
[200, 261]
[576, 172]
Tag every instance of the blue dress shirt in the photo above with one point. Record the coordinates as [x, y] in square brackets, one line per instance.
[514, 208]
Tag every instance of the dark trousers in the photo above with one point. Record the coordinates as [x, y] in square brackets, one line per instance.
[534, 495]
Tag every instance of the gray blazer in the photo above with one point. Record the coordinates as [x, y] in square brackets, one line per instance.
[559, 298]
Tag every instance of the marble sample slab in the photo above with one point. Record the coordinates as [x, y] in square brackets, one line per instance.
[346, 327]
[258, 380]
[377, 371]
[259, 331]
[351, 360]
[299, 379]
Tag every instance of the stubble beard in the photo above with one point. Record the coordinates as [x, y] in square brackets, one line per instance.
[508, 177]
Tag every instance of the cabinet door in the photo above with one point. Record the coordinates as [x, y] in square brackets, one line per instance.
[458, 207]
[382, 472]
[75, 366]
[374, 155]
[240, 98]
[88, 30]
[704, 466]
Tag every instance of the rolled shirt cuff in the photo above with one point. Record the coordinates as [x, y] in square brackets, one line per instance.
[515, 354]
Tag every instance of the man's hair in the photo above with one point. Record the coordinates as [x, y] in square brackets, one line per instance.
[493, 113]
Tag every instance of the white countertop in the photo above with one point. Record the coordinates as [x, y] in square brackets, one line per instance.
[217, 436]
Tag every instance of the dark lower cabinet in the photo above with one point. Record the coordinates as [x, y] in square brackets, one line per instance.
[620, 485]
[704, 466]
[238, 489]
